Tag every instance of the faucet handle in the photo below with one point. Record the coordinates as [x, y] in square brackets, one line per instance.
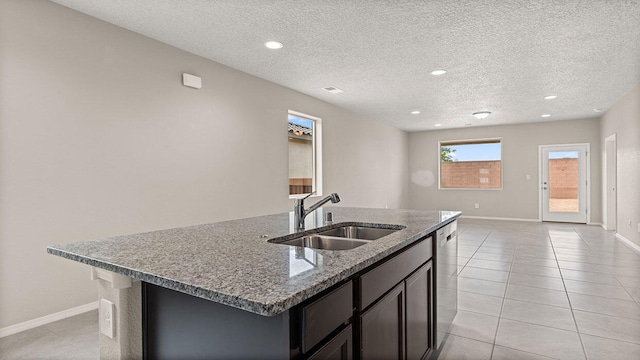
[300, 201]
[311, 193]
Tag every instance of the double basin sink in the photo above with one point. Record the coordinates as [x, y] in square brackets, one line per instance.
[344, 237]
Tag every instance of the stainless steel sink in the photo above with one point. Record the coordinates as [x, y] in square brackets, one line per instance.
[358, 232]
[344, 237]
[325, 242]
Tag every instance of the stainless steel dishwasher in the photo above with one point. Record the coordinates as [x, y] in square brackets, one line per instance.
[446, 273]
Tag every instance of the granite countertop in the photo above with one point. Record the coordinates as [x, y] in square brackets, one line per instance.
[232, 263]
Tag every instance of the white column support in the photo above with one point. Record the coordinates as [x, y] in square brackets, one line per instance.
[126, 295]
[117, 281]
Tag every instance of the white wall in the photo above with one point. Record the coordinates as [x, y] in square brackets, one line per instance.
[623, 119]
[519, 197]
[300, 158]
[99, 138]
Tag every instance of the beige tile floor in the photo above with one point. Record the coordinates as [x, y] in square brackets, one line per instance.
[526, 291]
[75, 338]
[544, 291]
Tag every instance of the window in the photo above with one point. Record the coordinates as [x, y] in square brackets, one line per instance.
[471, 164]
[304, 136]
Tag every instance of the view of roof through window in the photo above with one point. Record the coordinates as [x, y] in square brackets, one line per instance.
[300, 121]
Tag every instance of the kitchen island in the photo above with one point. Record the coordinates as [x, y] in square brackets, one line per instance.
[230, 267]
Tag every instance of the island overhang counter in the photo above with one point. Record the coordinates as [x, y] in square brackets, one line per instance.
[233, 264]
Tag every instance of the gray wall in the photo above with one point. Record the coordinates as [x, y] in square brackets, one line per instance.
[99, 138]
[519, 197]
[623, 119]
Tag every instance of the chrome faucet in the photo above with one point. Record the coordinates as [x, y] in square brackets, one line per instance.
[300, 212]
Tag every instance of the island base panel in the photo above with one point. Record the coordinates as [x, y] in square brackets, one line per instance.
[177, 325]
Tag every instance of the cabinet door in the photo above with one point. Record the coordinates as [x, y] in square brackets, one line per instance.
[338, 348]
[386, 274]
[419, 288]
[323, 316]
[382, 327]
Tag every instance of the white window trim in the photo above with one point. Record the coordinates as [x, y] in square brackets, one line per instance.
[317, 154]
[474, 140]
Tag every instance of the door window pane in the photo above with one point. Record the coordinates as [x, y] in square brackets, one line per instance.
[563, 181]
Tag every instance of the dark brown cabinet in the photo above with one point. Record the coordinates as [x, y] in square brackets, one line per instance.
[339, 347]
[419, 312]
[383, 312]
[324, 315]
[400, 325]
[382, 327]
[396, 306]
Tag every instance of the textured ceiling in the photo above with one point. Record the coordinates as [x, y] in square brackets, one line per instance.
[501, 56]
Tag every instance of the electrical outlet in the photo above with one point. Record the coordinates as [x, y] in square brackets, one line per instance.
[477, 206]
[638, 227]
[107, 320]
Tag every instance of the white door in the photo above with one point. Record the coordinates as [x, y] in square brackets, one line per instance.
[611, 182]
[564, 185]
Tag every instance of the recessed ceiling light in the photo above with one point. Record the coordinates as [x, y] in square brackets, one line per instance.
[597, 110]
[546, 115]
[437, 125]
[481, 114]
[274, 45]
[333, 90]
[550, 97]
[415, 112]
[439, 72]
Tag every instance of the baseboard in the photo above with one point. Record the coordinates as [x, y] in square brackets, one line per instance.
[14, 329]
[498, 218]
[628, 242]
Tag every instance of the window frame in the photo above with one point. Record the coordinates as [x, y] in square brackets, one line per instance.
[316, 143]
[469, 142]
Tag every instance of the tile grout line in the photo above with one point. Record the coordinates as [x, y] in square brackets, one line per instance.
[504, 299]
[612, 273]
[608, 267]
[504, 296]
[608, 315]
[521, 245]
[614, 339]
[540, 325]
[599, 313]
[529, 352]
[505, 289]
[584, 349]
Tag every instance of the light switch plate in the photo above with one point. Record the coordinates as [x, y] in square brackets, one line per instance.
[107, 319]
